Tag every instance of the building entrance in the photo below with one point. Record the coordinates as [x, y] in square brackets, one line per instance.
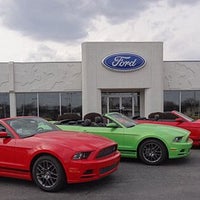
[126, 103]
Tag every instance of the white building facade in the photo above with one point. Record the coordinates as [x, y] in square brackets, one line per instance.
[111, 77]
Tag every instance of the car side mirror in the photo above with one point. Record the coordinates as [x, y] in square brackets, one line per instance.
[112, 125]
[179, 120]
[3, 134]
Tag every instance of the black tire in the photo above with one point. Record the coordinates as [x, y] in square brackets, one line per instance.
[152, 152]
[48, 174]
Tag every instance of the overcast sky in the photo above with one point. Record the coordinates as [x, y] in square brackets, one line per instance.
[53, 30]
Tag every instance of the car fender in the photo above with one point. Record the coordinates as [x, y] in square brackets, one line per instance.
[151, 137]
[62, 156]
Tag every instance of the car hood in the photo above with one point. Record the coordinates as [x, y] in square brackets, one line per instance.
[162, 129]
[75, 140]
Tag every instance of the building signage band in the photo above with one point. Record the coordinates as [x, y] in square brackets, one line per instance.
[124, 62]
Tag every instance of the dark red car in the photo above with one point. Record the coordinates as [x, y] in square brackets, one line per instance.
[175, 118]
[33, 149]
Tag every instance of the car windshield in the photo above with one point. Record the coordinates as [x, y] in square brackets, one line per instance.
[122, 119]
[183, 116]
[26, 127]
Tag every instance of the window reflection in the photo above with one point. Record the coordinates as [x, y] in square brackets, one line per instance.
[26, 104]
[104, 104]
[4, 105]
[197, 109]
[71, 102]
[171, 100]
[48, 105]
[114, 104]
[186, 102]
[126, 103]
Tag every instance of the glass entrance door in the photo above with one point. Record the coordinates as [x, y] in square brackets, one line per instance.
[127, 106]
[125, 103]
[114, 104]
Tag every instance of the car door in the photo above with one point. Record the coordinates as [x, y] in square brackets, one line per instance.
[181, 123]
[161, 122]
[7, 150]
[114, 133]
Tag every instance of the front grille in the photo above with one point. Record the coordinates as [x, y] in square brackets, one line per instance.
[107, 169]
[107, 151]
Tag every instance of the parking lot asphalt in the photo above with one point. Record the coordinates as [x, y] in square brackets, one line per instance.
[175, 179]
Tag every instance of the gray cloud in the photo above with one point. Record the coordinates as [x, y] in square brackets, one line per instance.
[65, 20]
[44, 19]
[42, 53]
[68, 20]
[186, 2]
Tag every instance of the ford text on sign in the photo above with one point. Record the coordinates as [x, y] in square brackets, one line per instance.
[123, 62]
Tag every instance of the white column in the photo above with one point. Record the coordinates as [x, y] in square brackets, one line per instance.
[12, 104]
[12, 89]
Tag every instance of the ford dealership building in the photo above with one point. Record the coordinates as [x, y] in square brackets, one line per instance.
[127, 77]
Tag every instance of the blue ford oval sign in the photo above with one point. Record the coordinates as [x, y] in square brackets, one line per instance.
[124, 62]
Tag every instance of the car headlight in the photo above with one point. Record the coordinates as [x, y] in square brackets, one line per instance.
[178, 139]
[81, 155]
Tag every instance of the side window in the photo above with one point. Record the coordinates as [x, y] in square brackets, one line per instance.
[112, 124]
[2, 128]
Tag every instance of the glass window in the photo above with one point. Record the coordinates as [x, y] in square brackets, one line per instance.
[137, 104]
[4, 105]
[76, 102]
[197, 105]
[71, 102]
[171, 100]
[189, 103]
[49, 105]
[104, 104]
[26, 104]
[114, 104]
[126, 103]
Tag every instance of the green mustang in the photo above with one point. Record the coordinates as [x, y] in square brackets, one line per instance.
[151, 143]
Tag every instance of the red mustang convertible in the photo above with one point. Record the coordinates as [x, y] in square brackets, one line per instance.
[175, 118]
[33, 149]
